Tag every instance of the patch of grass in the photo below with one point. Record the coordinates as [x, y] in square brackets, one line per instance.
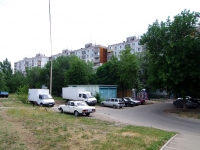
[53, 130]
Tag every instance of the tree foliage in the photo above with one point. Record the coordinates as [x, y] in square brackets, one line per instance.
[107, 73]
[128, 69]
[174, 48]
[6, 74]
[77, 73]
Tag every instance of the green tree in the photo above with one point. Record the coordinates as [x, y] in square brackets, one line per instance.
[3, 86]
[33, 77]
[143, 58]
[107, 73]
[128, 70]
[77, 73]
[18, 79]
[174, 48]
[5, 68]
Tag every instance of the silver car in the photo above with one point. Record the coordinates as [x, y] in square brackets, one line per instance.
[113, 102]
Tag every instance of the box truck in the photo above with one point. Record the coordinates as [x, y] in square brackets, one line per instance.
[40, 97]
[78, 93]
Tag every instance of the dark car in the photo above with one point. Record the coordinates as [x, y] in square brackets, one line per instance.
[128, 102]
[189, 104]
[142, 101]
[4, 94]
[193, 99]
[135, 102]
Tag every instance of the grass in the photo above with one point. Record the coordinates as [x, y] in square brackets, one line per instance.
[35, 128]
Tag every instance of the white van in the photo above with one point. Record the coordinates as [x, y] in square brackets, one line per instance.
[40, 97]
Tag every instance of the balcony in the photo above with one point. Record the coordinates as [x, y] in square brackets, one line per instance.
[96, 55]
[96, 49]
[110, 50]
[96, 60]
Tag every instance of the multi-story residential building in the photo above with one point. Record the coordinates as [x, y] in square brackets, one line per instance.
[96, 54]
[90, 53]
[38, 61]
[132, 42]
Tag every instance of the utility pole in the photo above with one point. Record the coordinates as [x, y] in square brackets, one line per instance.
[51, 48]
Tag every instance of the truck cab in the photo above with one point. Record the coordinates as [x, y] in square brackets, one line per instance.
[87, 97]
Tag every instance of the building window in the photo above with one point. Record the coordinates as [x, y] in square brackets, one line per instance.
[115, 48]
[133, 44]
[120, 47]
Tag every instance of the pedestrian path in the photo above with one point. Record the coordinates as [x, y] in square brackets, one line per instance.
[183, 142]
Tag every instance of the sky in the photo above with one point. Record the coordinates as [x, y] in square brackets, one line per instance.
[25, 25]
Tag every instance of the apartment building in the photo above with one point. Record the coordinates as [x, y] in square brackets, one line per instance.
[27, 63]
[132, 42]
[96, 54]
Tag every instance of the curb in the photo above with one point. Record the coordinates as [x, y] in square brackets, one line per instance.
[168, 142]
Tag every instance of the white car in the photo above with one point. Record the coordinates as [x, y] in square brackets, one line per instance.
[77, 108]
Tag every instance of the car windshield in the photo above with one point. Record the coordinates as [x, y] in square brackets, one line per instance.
[88, 95]
[127, 98]
[46, 96]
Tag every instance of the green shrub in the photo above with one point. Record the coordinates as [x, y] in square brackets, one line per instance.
[98, 97]
[22, 94]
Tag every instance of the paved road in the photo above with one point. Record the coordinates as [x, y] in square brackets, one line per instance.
[152, 116]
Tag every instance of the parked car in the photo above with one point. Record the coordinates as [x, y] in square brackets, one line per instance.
[135, 102]
[4, 94]
[142, 101]
[189, 104]
[128, 102]
[77, 108]
[195, 100]
[113, 102]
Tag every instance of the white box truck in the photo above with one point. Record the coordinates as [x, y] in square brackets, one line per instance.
[40, 97]
[78, 93]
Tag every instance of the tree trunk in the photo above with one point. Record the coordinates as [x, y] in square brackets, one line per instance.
[184, 103]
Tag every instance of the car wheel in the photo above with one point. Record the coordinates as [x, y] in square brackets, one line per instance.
[114, 106]
[76, 114]
[61, 110]
[102, 104]
[41, 105]
[87, 114]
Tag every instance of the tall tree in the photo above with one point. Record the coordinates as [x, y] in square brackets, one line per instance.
[174, 48]
[3, 86]
[128, 70]
[33, 77]
[77, 73]
[18, 79]
[107, 73]
[5, 68]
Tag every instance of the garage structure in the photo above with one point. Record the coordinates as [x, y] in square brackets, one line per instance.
[106, 91]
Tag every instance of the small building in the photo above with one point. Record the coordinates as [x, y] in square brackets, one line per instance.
[105, 91]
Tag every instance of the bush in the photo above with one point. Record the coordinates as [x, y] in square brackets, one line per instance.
[98, 97]
[22, 94]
